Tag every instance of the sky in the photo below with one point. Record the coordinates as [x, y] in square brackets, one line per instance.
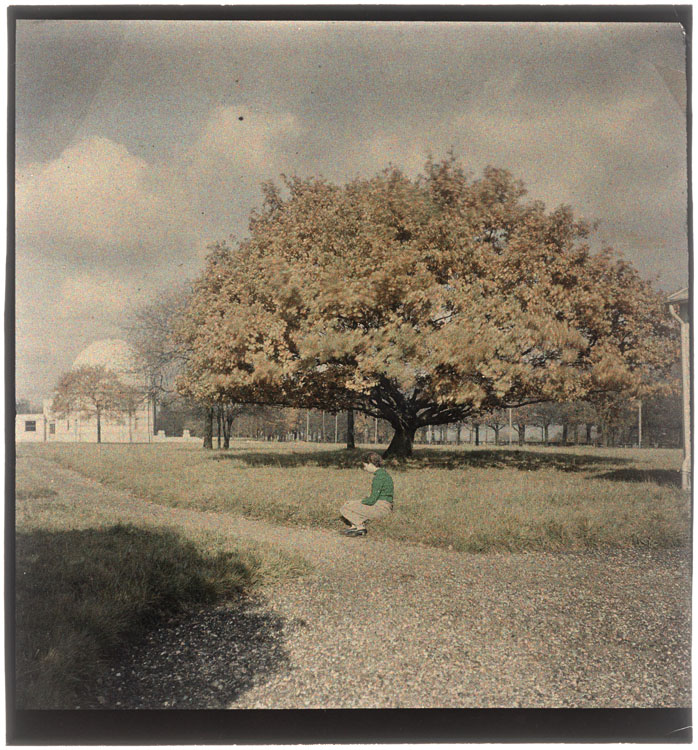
[140, 143]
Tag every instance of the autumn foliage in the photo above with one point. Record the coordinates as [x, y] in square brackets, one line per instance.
[420, 301]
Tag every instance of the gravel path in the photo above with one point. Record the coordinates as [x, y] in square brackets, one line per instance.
[381, 624]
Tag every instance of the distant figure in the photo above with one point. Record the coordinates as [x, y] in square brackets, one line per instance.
[378, 504]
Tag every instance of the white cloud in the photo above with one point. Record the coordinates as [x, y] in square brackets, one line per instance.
[96, 194]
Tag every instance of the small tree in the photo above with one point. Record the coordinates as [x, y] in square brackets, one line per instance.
[94, 390]
[496, 420]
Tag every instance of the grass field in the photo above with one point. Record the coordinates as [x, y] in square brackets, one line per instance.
[470, 499]
[88, 583]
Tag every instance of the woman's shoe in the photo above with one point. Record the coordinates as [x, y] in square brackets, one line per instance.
[356, 532]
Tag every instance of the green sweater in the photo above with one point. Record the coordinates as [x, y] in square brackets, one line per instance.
[381, 488]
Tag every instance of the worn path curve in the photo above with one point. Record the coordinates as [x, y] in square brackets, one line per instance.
[381, 624]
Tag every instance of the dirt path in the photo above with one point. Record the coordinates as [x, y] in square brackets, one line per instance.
[384, 624]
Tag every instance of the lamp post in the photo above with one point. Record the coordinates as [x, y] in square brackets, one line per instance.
[679, 308]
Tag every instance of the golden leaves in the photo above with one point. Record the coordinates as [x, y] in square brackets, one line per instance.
[453, 288]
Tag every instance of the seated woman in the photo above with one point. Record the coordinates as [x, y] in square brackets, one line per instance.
[378, 504]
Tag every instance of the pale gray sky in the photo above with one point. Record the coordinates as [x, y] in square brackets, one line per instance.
[141, 142]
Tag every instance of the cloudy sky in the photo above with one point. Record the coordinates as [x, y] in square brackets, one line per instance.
[138, 143]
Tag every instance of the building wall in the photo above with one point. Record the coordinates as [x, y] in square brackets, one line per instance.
[24, 435]
[76, 428]
[135, 428]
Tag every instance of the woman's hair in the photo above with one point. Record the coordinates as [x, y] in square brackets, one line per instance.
[373, 458]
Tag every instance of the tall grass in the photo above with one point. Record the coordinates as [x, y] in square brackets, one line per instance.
[468, 499]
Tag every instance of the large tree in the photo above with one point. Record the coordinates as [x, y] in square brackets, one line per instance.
[420, 301]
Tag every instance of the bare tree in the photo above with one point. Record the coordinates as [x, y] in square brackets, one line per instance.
[150, 332]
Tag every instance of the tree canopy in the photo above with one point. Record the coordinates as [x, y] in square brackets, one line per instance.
[420, 301]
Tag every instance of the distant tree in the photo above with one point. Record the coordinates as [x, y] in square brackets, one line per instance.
[176, 414]
[496, 420]
[25, 406]
[545, 415]
[22, 406]
[421, 301]
[541, 415]
[94, 390]
[581, 414]
[474, 426]
[159, 357]
[616, 417]
[520, 418]
[661, 420]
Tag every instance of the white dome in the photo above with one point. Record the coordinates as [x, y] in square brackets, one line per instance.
[115, 355]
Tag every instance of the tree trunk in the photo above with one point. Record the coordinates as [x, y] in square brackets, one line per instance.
[588, 430]
[545, 435]
[565, 430]
[218, 420]
[477, 434]
[208, 429]
[458, 433]
[99, 426]
[496, 434]
[350, 430]
[227, 429]
[522, 434]
[401, 444]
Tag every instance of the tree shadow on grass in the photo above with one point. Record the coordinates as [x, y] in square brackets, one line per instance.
[145, 597]
[424, 458]
[204, 660]
[337, 459]
[662, 477]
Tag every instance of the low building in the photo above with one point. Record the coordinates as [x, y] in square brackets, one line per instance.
[135, 426]
[30, 428]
